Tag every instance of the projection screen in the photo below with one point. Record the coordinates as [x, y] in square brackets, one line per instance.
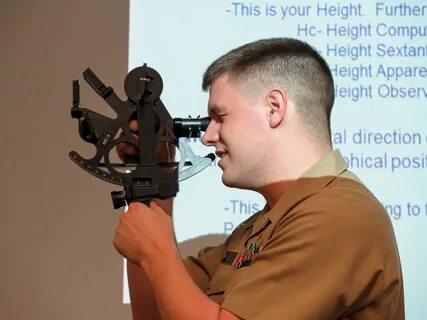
[377, 51]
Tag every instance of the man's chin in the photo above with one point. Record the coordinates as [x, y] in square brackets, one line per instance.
[232, 183]
[226, 180]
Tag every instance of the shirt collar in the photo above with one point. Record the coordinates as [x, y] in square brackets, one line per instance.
[310, 182]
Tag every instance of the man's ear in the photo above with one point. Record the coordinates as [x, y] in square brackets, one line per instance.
[277, 103]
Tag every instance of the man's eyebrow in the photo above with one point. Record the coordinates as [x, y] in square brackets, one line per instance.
[215, 110]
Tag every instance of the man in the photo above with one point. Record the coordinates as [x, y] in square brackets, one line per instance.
[322, 248]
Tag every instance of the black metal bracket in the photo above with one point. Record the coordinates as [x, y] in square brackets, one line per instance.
[145, 176]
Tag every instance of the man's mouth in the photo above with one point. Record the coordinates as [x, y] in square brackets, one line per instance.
[220, 154]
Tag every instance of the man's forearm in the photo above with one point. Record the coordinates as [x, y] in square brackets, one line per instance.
[145, 236]
[177, 295]
[143, 302]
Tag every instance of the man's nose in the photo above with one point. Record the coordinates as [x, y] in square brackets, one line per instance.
[211, 134]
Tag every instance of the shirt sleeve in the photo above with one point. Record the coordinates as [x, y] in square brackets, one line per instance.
[203, 267]
[322, 261]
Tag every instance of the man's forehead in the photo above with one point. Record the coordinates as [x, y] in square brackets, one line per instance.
[216, 91]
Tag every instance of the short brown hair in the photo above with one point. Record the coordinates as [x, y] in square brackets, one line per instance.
[289, 64]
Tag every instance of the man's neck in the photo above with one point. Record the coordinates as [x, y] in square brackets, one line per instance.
[272, 191]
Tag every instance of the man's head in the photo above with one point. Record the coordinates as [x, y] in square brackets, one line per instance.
[288, 64]
[258, 92]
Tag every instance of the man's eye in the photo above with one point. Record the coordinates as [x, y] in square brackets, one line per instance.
[221, 117]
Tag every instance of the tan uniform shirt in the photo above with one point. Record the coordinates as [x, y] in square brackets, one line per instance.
[326, 250]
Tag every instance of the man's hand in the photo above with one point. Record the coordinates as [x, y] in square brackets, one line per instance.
[165, 151]
[145, 233]
[127, 149]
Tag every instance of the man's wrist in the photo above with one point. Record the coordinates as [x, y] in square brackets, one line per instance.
[159, 264]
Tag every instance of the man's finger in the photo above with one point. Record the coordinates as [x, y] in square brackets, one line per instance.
[133, 126]
[155, 207]
[126, 149]
[137, 206]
